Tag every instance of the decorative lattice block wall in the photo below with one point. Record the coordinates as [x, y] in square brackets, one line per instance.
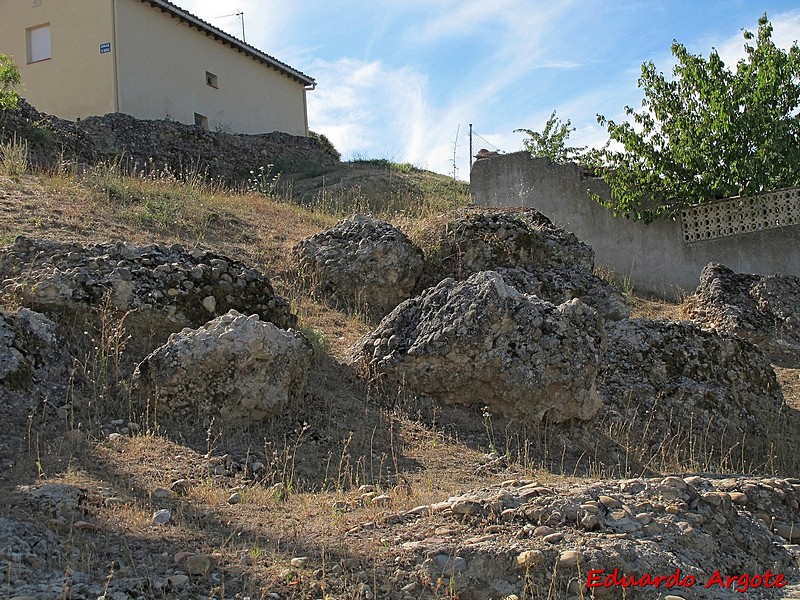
[740, 215]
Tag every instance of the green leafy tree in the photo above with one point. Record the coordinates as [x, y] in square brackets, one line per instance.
[552, 141]
[707, 132]
[9, 79]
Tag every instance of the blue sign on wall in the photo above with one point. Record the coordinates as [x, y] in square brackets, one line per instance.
[105, 48]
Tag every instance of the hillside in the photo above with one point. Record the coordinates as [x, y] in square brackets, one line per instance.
[359, 490]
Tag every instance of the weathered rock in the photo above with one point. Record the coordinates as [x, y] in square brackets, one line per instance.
[481, 343]
[165, 288]
[762, 310]
[693, 390]
[34, 361]
[238, 369]
[161, 517]
[35, 368]
[360, 262]
[527, 249]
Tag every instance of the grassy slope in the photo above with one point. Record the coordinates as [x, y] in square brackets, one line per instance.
[345, 436]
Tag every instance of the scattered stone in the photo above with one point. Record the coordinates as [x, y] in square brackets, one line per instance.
[162, 493]
[361, 262]
[382, 500]
[299, 562]
[789, 532]
[481, 343]
[198, 564]
[180, 557]
[178, 581]
[530, 558]
[161, 517]
[762, 310]
[64, 502]
[570, 558]
[236, 369]
[181, 486]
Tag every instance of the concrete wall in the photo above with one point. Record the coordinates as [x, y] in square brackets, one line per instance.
[77, 81]
[654, 257]
[162, 73]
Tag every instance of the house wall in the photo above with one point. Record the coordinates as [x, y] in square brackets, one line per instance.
[162, 74]
[77, 81]
[655, 258]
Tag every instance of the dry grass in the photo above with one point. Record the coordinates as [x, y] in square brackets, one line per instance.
[347, 434]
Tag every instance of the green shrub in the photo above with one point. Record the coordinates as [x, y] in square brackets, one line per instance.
[9, 79]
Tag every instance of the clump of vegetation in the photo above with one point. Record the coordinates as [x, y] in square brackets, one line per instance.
[707, 132]
[326, 144]
[9, 79]
[551, 142]
[14, 157]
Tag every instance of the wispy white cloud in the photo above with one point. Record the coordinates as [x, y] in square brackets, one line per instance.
[367, 107]
[786, 31]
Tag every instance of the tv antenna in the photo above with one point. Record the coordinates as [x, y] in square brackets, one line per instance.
[239, 15]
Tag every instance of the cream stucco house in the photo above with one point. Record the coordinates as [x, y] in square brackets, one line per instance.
[150, 59]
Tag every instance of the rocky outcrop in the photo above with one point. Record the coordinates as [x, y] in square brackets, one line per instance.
[762, 310]
[676, 389]
[236, 369]
[34, 361]
[523, 245]
[481, 343]
[35, 368]
[361, 262]
[166, 287]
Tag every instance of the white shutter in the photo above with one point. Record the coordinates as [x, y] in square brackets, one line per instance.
[39, 43]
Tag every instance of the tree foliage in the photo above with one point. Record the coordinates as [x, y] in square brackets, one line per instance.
[9, 79]
[707, 132]
[552, 141]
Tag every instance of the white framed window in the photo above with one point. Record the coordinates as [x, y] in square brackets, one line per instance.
[39, 43]
[212, 80]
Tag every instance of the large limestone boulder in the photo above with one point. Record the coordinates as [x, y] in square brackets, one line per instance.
[236, 369]
[361, 262]
[687, 394]
[761, 310]
[481, 343]
[527, 249]
[164, 288]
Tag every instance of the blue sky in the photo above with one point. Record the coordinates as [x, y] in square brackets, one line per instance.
[399, 79]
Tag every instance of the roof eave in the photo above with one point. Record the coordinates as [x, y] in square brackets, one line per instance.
[235, 43]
